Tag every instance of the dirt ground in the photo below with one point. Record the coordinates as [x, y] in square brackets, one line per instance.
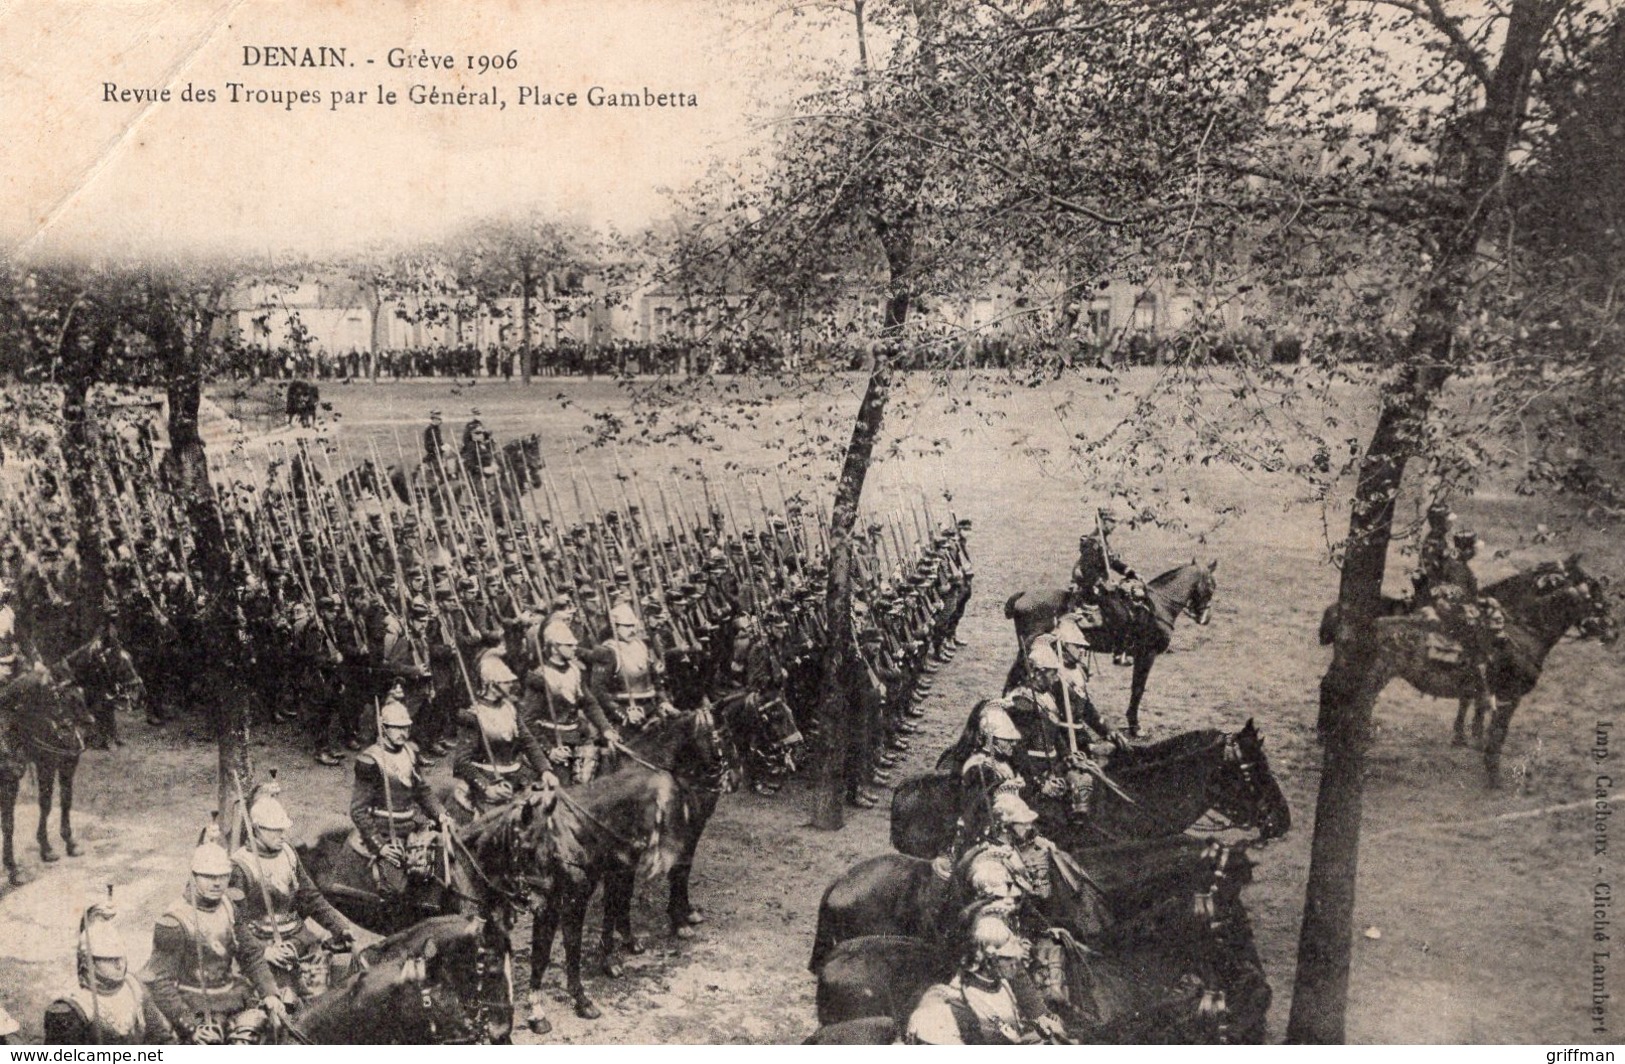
[1476, 904]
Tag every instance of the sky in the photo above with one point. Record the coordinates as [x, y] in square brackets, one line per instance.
[85, 172]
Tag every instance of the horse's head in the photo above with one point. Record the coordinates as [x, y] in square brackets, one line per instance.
[706, 753]
[1199, 603]
[426, 984]
[1250, 794]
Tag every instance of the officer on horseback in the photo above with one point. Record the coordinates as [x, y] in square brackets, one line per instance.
[109, 1006]
[390, 800]
[276, 897]
[494, 762]
[1092, 579]
[564, 708]
[627, 679]
[210, 979]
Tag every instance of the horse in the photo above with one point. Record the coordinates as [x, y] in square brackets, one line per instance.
[636, 819]
[765, 735]
[1169, 785]
[868, 1031]
[488, 870]
[1173, 992]
[894, 894]
[1539, 606]
[422, 985]
[1144, 634]
[303, 399]
[43, 717]
[695, 750]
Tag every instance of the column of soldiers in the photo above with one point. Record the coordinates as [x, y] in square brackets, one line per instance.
[448, 587]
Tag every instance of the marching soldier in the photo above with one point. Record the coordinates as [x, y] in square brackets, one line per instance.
[276, 898]
[494, 762]
[210, 980]
[109, 1006]
[627, 679]
[391, 800]
[563, 708]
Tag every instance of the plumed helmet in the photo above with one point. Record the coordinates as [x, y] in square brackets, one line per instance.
[210, 859]
[989, 878]
[394, 714]
[494, 669]
[1008, 808]
[623, 614]
[996, 724]
[102, 938]
[267, 813]
[1044, 654]
[559, 634]
[991, 936]
[1067, 633]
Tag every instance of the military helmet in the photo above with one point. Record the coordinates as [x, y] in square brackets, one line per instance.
[990, 878]
[991, 936]
[996, 724]
[394, 714]
[210, 859]
[560, 634]
[102, 937]
[267, 813]
[1067, 633]
[623, 614]
[1008, 808]
[494, 669]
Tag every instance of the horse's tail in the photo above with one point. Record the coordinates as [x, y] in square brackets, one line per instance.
[1010, 605]
[824, 936]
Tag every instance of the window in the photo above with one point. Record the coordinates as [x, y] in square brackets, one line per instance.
[662, 321]
[1145, 313]
[1100, 322]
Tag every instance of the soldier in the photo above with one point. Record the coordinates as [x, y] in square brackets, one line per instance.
[491, 764]
[563, 708]
[1434, 553]
[109, 1006]
[391, 800]
[276, 898]
[1092, 575]
[320, 660]
[980, 1005]
[627, 679]
[989, 771]
[209, 980]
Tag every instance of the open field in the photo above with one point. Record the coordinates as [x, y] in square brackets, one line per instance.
[1479, 901]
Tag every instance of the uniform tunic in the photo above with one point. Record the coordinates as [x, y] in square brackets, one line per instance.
[201, 968]
[389, 796]
[126, 1016]
[277, 897]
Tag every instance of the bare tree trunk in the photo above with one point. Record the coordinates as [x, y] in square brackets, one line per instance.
[1347, 694]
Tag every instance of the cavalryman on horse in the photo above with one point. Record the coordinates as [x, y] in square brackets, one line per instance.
[981, 1004]
[391, 804]
[627, 679]
[563, 708]
[1092, 575]
[207, 974]
[503, 756]
[109, 1006]
[275, 898]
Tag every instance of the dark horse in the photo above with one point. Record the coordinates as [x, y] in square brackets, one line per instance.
[894, 894]
[634, 820]
[1540, 607]
[419, 986]
[1170, 785]
[1144, 634]
[43, 716]
[488, 871]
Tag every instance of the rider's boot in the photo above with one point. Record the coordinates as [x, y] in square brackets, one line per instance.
[537, 1019]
